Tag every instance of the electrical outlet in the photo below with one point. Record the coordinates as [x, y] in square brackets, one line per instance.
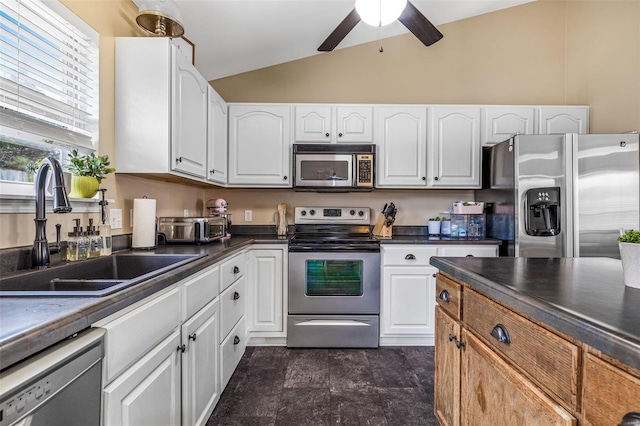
[248, 215]
[185, 213]
[115, 218]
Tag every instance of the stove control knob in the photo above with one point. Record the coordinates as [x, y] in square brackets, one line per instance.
[352, 212]
[303, 213]
[361, 213]
[312, 212]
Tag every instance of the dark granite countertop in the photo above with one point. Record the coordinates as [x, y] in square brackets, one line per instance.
[584, 298]
[30, 324]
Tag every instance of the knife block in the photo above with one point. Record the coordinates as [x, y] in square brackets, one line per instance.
[380, 229]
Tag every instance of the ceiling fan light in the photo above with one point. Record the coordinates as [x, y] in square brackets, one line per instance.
[161, 18]
[379, 13]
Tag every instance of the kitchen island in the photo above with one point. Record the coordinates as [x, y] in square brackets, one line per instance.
[536, 341]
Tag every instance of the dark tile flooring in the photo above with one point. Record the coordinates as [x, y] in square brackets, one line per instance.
[280, 386]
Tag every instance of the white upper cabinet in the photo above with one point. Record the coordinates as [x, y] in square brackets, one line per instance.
[161, 109]
[334, 124]
[454, 139]
[499, 123]
[260, 145]
[189, 92]
[563, 119]
[217, 138]
[401, 143]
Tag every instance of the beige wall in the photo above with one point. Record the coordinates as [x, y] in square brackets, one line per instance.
[546, 52]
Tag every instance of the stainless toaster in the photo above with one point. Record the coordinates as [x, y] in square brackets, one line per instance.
[192, 229]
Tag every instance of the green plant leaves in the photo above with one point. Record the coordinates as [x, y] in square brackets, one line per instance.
[631, 236]
[89, 165]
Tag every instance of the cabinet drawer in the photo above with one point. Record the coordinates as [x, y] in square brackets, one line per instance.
[231, 350]
[132, 335]
[468, 251]
[548, 359]
[448, 295]
[231, 270]
[413, 255]
[609, 392]
[198, 291]
[232, 306]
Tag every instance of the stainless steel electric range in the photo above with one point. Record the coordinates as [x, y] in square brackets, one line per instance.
[334, 279]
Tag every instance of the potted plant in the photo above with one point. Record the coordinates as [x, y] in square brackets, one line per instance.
[434, 225]
[87, 172]
[629, 243]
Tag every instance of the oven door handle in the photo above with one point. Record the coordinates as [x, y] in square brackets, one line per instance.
[333, 247]
[334, 322]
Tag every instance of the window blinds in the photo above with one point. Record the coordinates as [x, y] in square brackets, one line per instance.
[48, 75]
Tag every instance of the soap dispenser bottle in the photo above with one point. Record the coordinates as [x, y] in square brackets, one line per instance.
[72, 242]
[95, 242]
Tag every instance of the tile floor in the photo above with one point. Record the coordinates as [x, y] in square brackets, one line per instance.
[299, 387]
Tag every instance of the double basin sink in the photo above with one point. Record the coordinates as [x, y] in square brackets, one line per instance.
[94, 277]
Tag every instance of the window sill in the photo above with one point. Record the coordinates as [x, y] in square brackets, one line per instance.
[26, 204]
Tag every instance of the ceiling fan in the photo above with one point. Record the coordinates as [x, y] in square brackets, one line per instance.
[410, 17]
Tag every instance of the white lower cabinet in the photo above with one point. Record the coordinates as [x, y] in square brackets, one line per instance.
[200, 376]
[148, 393]
[407, 307]
[267, 307]
[231, 351]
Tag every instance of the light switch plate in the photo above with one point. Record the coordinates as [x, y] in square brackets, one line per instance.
[248, 215]
[115, 218]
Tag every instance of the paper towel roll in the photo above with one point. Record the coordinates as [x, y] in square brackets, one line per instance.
[144, 223]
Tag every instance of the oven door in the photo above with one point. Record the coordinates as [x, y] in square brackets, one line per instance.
[323, 171]
[340, 282]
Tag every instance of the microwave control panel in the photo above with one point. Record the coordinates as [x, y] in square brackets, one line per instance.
[364, 170]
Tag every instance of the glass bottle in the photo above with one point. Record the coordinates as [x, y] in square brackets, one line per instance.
[72, 242]
[105, 235]
[95, 242]
[83, 245]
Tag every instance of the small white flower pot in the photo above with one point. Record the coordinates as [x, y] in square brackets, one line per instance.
[434, 227]
[630, 256]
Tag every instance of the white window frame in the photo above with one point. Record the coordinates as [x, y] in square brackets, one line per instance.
[17, 197]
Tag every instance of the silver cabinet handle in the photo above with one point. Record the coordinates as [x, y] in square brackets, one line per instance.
[631, 419]
[501, 334]
[444, 296]
[410, 257]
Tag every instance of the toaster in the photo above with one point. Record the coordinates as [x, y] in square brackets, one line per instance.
[192, 230]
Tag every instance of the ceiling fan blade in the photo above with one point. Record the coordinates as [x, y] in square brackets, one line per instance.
[340, 32]
[420, 26]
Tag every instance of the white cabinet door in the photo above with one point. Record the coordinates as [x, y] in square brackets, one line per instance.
[200, 365]
[563, 119]
[266, 303]
[313, 123]
[408, 301]
[259, 145]
[189, 118]
[455, 147]
[217, 138]
[148, 393]
[499, 123]
[401, 142]
[354, 124]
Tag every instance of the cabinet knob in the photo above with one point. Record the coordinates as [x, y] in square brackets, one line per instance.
[410, 257]
[452, 337]
[444, 296]
[236, 340]
[470, 255]
[501, 334]
[236, 270]
[631, 419]
[284, 178]
[460, 344]
[434, 275]
[326, 135]
[424, 178]
[212, 171]
[339, 135]
[236, 295]
[179, 160]
[192, 337]
[182, 348]
[436, 178]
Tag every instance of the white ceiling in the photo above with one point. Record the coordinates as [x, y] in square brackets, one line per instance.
[236, 36]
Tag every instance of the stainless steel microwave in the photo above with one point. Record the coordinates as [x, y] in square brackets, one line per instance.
[333, 167]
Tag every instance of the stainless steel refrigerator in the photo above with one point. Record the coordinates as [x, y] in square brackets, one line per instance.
[561, 195]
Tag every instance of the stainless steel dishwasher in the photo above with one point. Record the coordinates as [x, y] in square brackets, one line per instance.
[62, 385]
